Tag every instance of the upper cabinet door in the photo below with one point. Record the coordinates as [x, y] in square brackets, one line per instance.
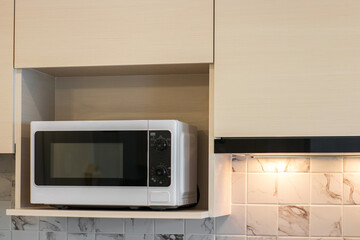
[63, 33]
[287, 68]
[6, 76]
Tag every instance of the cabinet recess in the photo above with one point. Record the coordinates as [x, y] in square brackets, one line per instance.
[177, 93]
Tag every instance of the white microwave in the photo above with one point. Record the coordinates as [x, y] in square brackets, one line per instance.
[114, 163]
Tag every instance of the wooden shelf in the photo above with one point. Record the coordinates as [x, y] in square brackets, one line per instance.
[51, 212]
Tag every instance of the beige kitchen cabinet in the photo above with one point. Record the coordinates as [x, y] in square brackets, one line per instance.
[6, 76]
[287, 68]
[72, 33]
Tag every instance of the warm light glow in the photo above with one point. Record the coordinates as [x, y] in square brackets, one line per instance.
[284, 163]
[279, 164]
[272, 165]
[293, 155]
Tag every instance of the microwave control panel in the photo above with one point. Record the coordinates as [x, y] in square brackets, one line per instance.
[160, 158]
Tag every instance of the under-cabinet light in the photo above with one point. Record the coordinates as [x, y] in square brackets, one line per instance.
[302, 155]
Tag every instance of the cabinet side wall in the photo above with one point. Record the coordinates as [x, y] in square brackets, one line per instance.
[219, 166]
[36, 102]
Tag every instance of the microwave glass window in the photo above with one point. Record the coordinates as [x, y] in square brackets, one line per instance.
[91, 158]
[87, 160]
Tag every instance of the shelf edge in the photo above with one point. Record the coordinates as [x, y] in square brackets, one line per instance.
[181, 214]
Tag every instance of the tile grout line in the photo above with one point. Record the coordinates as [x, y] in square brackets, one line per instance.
[311, 197]
[246, 196]
[278, 205]
[342, 197]
[153, 228]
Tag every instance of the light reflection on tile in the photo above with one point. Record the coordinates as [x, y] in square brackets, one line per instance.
[238, 194]
[239, 163]
[326, 164]
[233, 224]
[262, 219]
[326, 221]
[326, 188]
[351, 221]
[351, 164]
[261, 238]
[262, 188]
[351, 188]
[281, 164]
[326, 238]
[294, 188]
[294, 220]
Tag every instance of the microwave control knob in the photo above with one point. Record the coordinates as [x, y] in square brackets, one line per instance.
[160, 144]
[160, 171]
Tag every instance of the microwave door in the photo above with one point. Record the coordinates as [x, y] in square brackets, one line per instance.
[91, 158]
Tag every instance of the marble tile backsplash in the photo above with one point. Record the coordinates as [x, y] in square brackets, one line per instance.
[273, 198]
